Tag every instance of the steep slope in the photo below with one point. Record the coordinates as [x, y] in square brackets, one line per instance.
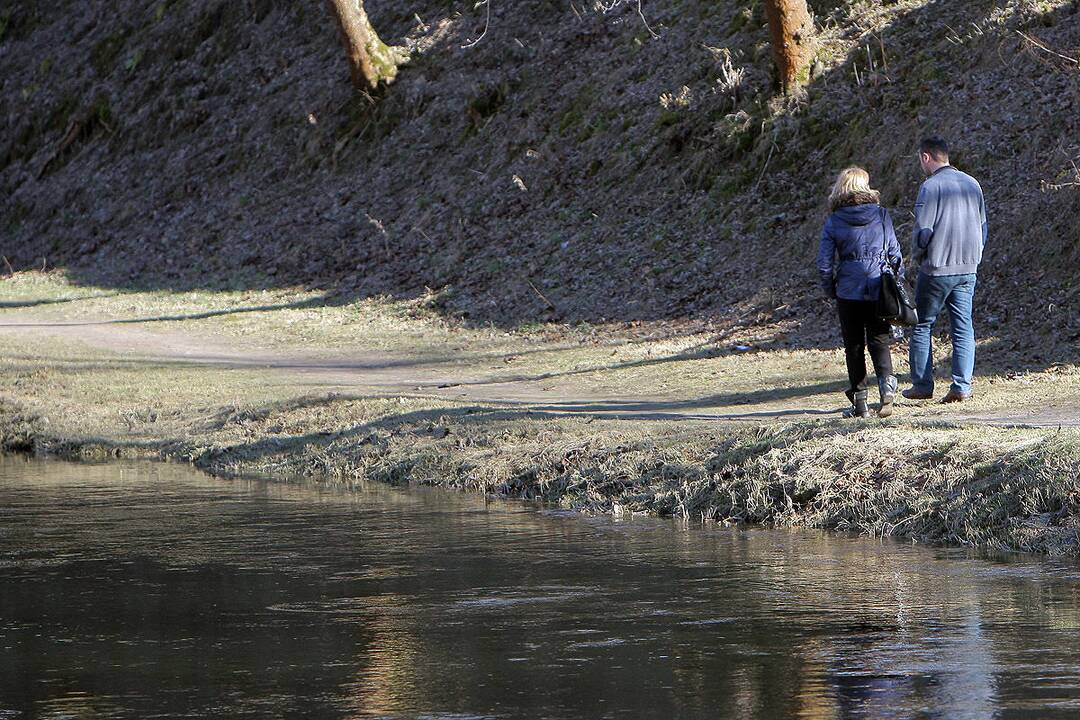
[569, 166]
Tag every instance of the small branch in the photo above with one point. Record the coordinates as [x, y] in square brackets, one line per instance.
[1042, 47]
[541, 295]
[11, 270]
[487, 24]
[765, 166]
[612, 4]
[644, 21]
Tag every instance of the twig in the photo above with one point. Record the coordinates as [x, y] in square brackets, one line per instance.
[1061, 186]
[765, 167]
[70, 135]
[355, 132]
[1042, 47]
[612, 4]
[644, 21]
[11, 270]
[487, 24]
[418, 225]
[382, 231]
[541, 295]
[955, 39]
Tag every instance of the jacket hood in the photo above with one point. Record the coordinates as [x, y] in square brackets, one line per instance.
[858, 215]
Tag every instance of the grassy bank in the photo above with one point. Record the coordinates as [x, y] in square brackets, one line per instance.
[293, 385]
[995, 488]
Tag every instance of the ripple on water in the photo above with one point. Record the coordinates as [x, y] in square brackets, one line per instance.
[241, 598]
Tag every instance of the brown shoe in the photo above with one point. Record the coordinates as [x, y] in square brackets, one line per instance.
[913, 394]
[954, 396]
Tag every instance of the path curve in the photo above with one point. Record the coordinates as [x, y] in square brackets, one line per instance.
[395, 374]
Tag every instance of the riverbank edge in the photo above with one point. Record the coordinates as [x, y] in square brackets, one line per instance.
[1012, 489]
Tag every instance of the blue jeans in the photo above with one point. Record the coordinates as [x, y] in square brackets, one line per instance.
[955, 293]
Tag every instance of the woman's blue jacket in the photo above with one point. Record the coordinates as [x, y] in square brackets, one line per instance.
[852, 248]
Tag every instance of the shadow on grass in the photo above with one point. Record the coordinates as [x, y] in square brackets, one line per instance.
[16, 304]
[297, 305]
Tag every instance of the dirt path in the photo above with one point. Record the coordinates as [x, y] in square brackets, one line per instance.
[470, 378]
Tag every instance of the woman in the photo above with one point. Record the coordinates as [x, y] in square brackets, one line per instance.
[857, 233]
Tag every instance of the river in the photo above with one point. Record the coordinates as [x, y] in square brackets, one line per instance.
[149, 590]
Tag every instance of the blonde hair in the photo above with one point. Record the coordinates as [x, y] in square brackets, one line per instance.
[852, 187]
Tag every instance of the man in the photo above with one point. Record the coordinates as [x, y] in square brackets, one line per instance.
[950, 232]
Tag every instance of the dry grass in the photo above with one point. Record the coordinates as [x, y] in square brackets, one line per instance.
[991, 488]
[739, 371]
[912, 476]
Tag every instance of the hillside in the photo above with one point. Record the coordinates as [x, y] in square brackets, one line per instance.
[569, 167]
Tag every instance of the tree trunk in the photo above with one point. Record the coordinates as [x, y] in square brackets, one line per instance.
[791, 28]
[371, 60]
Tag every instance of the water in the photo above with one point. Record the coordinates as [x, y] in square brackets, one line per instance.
[145, 591]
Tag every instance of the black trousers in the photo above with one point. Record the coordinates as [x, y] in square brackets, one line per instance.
[862, 328]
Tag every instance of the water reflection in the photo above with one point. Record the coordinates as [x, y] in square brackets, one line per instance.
[130, 591]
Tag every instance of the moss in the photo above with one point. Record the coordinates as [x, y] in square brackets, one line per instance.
[486, 102]
[667, 118]
[384, 59]
[61, 114]
[102, 111]
[106, 52]
[727, 189]
[17, 214]
[133, 61]
[164, 7]
[741, 19]
[569, 120]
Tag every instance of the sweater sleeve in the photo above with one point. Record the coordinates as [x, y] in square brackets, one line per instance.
[825, 261]
[985, 222]
[926, 209]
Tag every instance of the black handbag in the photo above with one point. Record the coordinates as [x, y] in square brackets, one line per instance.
[896, 303]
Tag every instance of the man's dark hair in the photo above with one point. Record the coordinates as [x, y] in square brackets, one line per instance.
[936, 147]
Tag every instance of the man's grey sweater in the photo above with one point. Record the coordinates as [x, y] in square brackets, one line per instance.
[950, 224]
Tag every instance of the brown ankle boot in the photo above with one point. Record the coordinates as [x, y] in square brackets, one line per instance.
[955, 396]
